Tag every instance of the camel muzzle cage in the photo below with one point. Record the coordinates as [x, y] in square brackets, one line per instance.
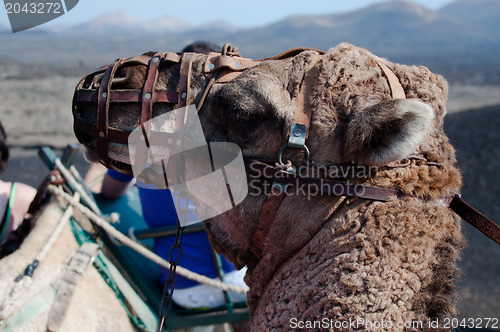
[98, 92]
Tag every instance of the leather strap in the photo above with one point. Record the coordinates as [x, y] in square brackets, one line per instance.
[78, 264]
[475, 218]
[275, 197]
[217, 61]
[397, 91]
[103, 111]
[225, 68]
[185, 78]
[283, 179]
[114, 135]
[186, 61]
[148, 91]
[303, 110]
[126, 96]
[323, 186]
[291, 53]
[171, 57]
[184, 88]
[147, 94]
[207, 90]
[222, 68]
[267, 213]
[142, 59]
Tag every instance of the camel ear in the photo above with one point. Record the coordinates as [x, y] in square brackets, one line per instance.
[386, 132]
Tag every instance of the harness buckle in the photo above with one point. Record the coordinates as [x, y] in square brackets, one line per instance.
[296, 140]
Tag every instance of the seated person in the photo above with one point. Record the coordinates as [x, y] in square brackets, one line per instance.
[159, 210]
[15, 198]
[202, 47]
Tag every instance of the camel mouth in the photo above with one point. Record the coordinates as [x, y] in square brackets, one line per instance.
[90, 156]
[222, 244]
[120, 166]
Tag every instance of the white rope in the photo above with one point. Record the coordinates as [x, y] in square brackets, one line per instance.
[93, 181]
[58, 229]
[21, 286]
[77, 186]
[141, 249]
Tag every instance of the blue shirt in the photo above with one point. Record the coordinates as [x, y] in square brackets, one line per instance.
[158, 211]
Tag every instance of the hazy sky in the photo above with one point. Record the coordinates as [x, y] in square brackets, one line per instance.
[238, 13]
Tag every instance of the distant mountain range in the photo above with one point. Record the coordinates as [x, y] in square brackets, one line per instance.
[122, 22]
[481, 13]
[396, 29]
[462, 35]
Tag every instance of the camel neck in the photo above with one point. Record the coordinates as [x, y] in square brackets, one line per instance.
[282, 250]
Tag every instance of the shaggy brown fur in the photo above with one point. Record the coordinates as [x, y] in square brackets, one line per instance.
[326, 256]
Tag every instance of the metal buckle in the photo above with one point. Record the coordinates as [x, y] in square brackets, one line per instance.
[296, 140]
[287, 145]
[81, 259]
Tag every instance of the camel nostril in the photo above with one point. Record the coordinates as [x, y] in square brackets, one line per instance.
[88, 141]
[90, 157]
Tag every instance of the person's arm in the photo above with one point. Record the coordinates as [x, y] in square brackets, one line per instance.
[113, 184]
[24, 195]
[95, 176]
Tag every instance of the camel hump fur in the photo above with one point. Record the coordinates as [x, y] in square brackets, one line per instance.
[93, 305]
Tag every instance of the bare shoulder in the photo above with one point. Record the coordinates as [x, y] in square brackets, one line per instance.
[25, 191]
[24, 196]
[4, 186]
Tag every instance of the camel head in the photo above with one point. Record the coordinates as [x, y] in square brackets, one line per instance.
[356, 120]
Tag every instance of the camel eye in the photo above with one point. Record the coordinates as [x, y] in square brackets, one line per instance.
[248, 118]
[238, 115]
[243, 112]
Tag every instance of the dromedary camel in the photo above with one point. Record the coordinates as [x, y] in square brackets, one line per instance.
[327, 262]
